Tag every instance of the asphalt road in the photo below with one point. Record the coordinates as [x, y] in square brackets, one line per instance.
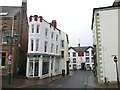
[76, 79]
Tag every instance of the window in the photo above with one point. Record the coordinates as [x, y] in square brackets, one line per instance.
[92, 60]
[62, 54]
[32, 28]
[87, 59]
[52, 35]
[81, 54]
[87, 53]
[69, 60]
[52, 45]
[56, 49]
[38, 28]
[74, 60]
[62, 43]
[4, 39]
[92, 51]
[46, 32]
[5, 31]
[45, 48]
[68, 54]
[74, 54]
[32, 44]
[3, 58]
[37, 44]
[69, 65]
[56, 37]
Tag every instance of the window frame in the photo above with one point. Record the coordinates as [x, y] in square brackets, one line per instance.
[32, 44]
[32, 28]
[74, 54]
[37, 44]
[45, 46]
[37, 28]
[46, 32]
[2, 59]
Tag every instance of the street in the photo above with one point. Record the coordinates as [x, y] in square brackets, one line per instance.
[76, 79]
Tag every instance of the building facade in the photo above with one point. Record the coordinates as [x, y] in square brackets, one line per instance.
[13, 20]
[81, 58]
[105, 27]
[44, 50]
[64, 63]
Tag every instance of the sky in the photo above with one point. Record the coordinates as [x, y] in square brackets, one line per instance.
[74, 17]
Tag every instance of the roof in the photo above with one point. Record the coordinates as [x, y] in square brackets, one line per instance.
[116, 3]
[10, 10]
[80, 49]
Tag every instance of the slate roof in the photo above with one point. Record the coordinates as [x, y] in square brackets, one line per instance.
[11, 10]
[116, 3]
[80, 49]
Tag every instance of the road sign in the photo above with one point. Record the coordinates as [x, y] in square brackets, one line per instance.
[10, 57]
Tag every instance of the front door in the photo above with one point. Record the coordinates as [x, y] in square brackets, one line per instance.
[74, 66]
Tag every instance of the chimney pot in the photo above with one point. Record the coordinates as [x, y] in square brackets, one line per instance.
[54, 23]
[30, 18]
[40, 18]
[35, 17]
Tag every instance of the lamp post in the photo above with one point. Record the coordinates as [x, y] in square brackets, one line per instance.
[10, 38]
[115, 60]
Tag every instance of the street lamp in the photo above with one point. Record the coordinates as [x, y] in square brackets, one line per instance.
[115, 60]
[10, 38]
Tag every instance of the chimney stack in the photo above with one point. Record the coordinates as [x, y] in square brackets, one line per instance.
[35, 17]
[78, 44]
[54, 23]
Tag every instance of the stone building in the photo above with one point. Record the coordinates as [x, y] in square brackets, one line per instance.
[13, 20]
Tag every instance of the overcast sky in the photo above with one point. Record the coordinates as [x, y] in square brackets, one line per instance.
[74, 17]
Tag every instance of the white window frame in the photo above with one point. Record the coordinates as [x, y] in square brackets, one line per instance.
[45, 46]
[37, 28]
[32, 28]
[37, 44]
[32, 45]
[52, 47]
[46, 32]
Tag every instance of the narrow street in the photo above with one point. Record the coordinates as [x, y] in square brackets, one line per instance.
[77, 79]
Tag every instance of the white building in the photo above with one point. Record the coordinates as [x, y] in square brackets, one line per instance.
[44, 55]
[106, 41]
[64, 63]
[81, 57]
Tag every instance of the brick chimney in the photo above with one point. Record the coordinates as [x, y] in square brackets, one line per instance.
[54, 23]
[35, 17]
[30, 18]
[40, 18]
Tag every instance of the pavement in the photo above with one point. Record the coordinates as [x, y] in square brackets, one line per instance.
[21, 82]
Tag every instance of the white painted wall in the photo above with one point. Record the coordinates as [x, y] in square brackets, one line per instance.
[43, 38]
[109, 39]
[80, 59]
[63, 64]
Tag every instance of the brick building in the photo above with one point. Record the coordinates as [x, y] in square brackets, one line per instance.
[13, 19]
